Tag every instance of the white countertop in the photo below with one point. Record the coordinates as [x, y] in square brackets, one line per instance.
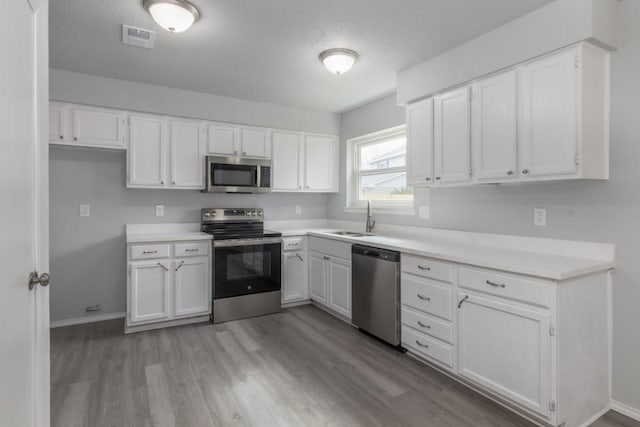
[149, 233]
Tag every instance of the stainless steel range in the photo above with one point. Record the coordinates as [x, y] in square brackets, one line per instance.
[246, 263]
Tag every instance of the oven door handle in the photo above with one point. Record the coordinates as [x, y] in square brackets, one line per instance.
[245, 242]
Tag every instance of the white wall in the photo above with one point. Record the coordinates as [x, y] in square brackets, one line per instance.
[606, 211]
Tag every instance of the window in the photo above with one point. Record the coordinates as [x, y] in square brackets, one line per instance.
[379, 169]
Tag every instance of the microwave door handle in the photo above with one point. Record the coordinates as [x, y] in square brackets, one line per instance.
[258, 173]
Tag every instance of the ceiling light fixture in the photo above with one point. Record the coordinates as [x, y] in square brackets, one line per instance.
[175, 16]
[338, 60]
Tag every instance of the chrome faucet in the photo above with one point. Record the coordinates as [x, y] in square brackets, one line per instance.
[370, 222]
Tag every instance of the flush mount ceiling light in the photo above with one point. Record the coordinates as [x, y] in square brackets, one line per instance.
[173, 15]
[339, 60]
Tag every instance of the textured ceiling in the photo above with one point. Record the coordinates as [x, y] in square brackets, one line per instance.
[267, 50]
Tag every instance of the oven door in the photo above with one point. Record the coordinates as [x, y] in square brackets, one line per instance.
[243, 267]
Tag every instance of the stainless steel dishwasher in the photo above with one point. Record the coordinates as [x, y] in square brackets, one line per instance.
[375, 281]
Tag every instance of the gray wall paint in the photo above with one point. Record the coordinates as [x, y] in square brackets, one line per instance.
[606, 211]
[88, 254]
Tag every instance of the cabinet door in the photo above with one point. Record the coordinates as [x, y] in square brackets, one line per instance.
[255, 142]
[57, 115]
[101, 128]
[505, 348]
[494, 120]
[549, 116]
[149, 299]
[420, 143]
[340, 286]
[295, 283]
[318, 277]
[223, 139]
[320, 163]
[191, 286]
[286, 161]
[452, 142]
[187, 161]
[146, 155]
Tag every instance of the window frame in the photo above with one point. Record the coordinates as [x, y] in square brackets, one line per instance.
[354, 145]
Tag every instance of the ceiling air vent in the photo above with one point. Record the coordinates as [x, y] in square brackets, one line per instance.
[138, 36]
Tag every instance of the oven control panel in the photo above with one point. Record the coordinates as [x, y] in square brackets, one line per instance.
[239, 214]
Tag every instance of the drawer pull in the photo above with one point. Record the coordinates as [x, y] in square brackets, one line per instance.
[163, 267]
[179, 265]
[149, 252]
[497, 285]
[192, 250]
[422, 267]
[422, 297]
[423, 325]
[422, 345]
[299, 257]
[466, 297]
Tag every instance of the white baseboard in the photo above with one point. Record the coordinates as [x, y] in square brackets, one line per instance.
[296, 303]
[86, 319]
[625, 409]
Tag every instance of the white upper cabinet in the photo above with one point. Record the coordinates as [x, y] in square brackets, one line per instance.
[97, 127]
[186, 140]
[320, 163]
[146, 155]
[224, 139]
[286, 161]
[452, 142]
[420, 143]
[549, 116]
[494, 128]
[230, 140]
[57, 123]
[255, 142]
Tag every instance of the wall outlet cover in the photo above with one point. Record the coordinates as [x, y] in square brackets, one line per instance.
[540, 217]
[84, 210]
[159, 210]
[298, 209]
[424, 212]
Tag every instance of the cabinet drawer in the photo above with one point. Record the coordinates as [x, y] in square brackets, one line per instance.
[293, 243]
[149, 251]
[427, 324]
[428, 267]
[428, 296]
[506, 285]
[192, 249]
[330, 247]
[424, 345]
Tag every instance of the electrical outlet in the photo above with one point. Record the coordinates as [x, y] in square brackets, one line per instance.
[298, 209]
[93, 308]
[425, 212]
[540, 217]
[84, 210]
[159, 210]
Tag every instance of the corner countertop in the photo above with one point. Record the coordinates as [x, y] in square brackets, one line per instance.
[150, 233]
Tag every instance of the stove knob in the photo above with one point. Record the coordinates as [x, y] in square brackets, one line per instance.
[207, 214]
[213, 214]
[260, 213]
[250, 213]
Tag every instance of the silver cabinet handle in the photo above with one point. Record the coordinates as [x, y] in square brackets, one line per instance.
[466, 297]
[173, 182]
[509, 172]
[299, 257]
[497, 285]
[191, 250]
[326, 258]
[422, 345]
[179, 266]
[163, 267]
[244, 153]
[427, 179]
[525, 170]
[35, 279]
[422, 267]
[422, 297]
[438, 178]
[75, 138]
[162, 182]
[61, 136]
[299, 187]
[423, 325]
[149, 252]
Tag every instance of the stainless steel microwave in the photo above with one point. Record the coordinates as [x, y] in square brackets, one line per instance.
[237, 175]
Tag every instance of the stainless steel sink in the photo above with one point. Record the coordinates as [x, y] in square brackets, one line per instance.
[349, 233]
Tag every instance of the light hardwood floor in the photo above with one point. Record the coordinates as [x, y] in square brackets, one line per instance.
[301, 367]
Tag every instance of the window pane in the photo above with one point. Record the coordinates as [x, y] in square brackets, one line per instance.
[391, 153]
[385, 186]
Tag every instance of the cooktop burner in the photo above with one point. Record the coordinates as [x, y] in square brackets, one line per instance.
[238, 223]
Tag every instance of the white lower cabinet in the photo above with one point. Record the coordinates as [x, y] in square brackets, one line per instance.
[318, 277]
[330, 275]
[167, 282]
[340, 285]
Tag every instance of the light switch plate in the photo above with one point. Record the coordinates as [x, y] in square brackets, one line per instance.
[298, 209]
[84, 210]
[159, 210]
[424, 212]
[540, 217]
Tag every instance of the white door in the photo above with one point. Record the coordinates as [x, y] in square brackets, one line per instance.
[57, 113]
[294, 280]
[420, 143]
[101, 128]
[494, 114]
[223, 139]
[24, 245]
[340, 286]
[318, 277]
[191, 286]
[506, 349]
[146, 154]
[452, 141]
[320, 163]
[187, 160]
[149, 299]
[286, 161]
[549, 116]
[255, 142]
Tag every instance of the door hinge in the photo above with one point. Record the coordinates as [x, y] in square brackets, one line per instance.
[577, 159]
[470, 94]
[552, 405]
[576, 61]
[129, 270]
[552, 330]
